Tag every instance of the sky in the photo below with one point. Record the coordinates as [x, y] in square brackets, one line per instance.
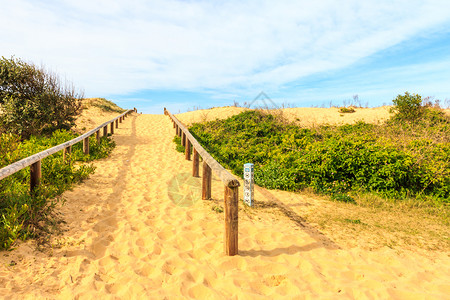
[190, 54]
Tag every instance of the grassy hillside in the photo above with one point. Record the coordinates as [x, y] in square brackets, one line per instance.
[26, 215]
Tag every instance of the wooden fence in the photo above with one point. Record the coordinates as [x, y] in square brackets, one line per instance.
[34, 161]
[231, 195]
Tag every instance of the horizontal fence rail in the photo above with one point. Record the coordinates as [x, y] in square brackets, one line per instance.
[35, 160]
[231, 193]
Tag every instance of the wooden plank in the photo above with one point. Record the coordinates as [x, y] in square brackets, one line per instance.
[112, 127]
[120, 120]
[97, 136]
[206, 181]
[227, 178]
[35, 175]
[183, 139]
[231, 200]
[117, 123]
[195, 164]
[187, 151]
[105, 130]
[86, 146]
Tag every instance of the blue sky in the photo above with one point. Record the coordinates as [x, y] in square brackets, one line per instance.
[199, 54]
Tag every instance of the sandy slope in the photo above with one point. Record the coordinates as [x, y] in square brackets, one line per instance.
[303, 116]
[126, 238]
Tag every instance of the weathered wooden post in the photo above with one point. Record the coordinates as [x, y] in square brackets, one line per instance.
[117, 123]
[35, 175]
[67, 151]
[112, 127]
[187, 151]
[195, 164]
[231, 220]
[206, 182]
[183, 139]
[86, 145]
[120, 119]
[97, 136]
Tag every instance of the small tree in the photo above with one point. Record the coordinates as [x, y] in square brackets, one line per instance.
[408, 107]
[33, 101]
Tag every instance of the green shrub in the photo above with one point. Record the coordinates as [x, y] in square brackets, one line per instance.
[393, 160]
[178, 147]
[21, 213]
[33, 101]
[408, 107]
[347, 110]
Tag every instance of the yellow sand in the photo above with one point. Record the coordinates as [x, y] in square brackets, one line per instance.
[126, 239]
[304, 116]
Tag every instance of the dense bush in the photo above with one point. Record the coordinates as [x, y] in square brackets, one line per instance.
[34, 101]
[22, 212]
[393, 160]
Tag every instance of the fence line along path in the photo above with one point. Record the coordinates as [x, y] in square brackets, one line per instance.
[231, 193]
[34, 161]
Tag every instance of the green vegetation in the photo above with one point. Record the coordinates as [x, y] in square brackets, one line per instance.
[23, 214]
[406, 158]
[103, 104]
[179, 147]
[347, 110]
[37, 113]
[33, 101]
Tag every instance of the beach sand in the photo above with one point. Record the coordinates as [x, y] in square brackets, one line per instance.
[130, 232]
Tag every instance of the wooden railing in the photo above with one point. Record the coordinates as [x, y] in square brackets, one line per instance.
[34, 161]
[231, 195]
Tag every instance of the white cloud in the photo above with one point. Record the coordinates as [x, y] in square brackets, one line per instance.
[111, 47]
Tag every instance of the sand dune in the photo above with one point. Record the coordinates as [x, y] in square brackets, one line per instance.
[304, 116]
[129, 235]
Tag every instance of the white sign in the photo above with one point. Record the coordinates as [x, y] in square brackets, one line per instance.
[248, 184]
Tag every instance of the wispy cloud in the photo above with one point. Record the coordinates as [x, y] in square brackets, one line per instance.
[119, 47]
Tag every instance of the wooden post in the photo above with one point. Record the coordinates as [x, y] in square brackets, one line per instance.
[195, 164]
[97, 136]
[120, 119]
[86, 145]
[105, 130]
[206, 182]
[176, 129]
[231, 220]
[173, 124]
[35, 175]
[117, 123]
[112, 127]
[187, 151]
[66, 151]
[183, 139]
[135, 110]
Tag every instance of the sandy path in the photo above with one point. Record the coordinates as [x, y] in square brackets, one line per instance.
[127, 239]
